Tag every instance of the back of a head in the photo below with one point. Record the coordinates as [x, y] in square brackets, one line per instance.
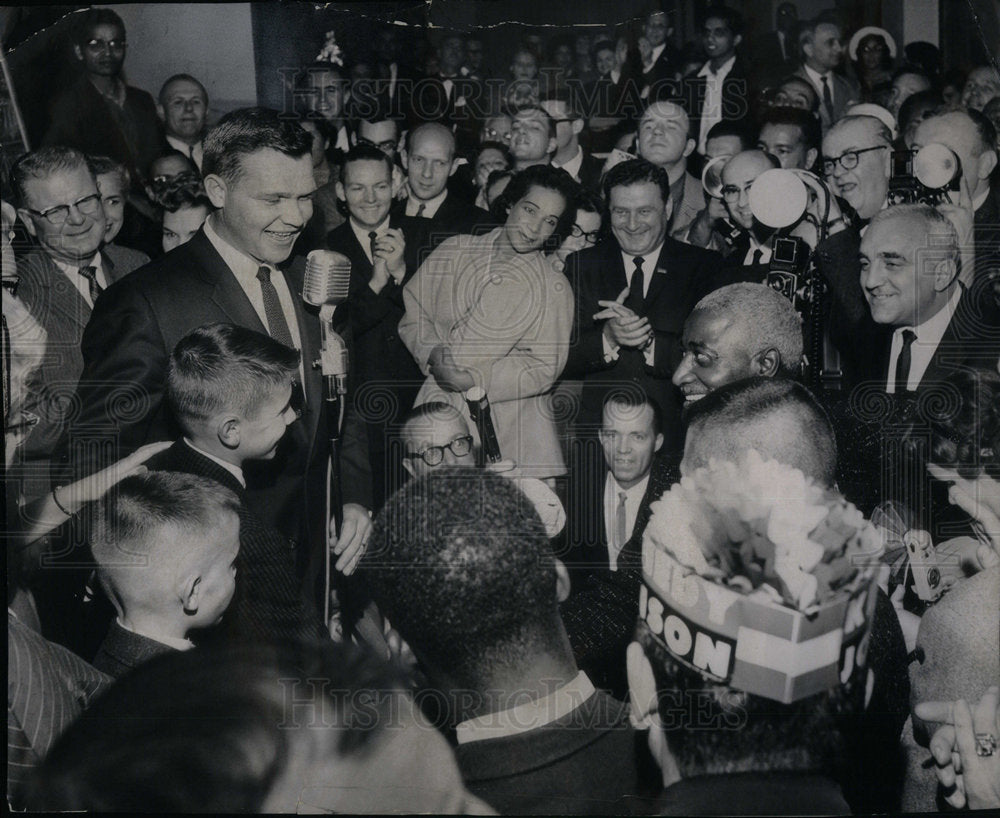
[225, 368]
[246, 131]
[778, 417]
[177, 735]
[134, 531]
[767, 320]
[460, 564]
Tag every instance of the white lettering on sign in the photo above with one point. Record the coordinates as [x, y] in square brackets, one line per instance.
[701, 650]
[712, 656]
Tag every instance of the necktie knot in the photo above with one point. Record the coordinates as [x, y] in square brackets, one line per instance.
[264, 274]
[420, 210]
[89, 272]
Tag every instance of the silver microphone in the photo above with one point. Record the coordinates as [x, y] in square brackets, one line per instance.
[327, 278]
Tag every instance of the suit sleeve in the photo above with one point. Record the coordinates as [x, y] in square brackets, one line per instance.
[586, 350]
[122, 388]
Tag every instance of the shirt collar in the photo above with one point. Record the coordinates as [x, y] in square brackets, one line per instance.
[183, 146]
[816, 77]
[931, 331]
[170, 641]
[74, 269]
[658, 51]
[638, 490]
[572, 167]
[980, 200]
[529, 715]
[430, 205]
[648, 259]
[239, 262]
[361, 233]
[722, 73]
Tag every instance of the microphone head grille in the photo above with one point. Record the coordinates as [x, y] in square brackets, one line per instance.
[327, 278]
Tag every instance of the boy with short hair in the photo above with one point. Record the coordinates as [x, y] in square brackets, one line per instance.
[231, 390]
[165, 546]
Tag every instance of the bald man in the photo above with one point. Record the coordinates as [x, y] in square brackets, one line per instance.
[430, 161]
[664, 140]
[750, 243]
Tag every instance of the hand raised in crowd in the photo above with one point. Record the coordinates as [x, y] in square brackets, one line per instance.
[623, 327]
[449, 375]
[964, 749]
[388, 261]
[980, 499]
[350, 546]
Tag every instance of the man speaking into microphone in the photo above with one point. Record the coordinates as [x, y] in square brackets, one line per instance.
[258, 172]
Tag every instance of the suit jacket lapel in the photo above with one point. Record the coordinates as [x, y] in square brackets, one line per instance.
[660, 276]
[227, 294]
[65, 298]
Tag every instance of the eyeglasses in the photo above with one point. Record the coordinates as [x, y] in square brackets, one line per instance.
[386, 145]
[577, 232]
[731, 193]
[56, 216]
[848, 160]
[111, 45]
[433, 455]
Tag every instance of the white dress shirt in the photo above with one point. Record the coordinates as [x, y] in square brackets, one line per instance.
[633, 499]
[711, 110]
[72, 272]
[361, 233]
[244, 270]
[195, 152]
[648, 271]
[430, 205]
[572, 167]
[817, 80]
[527, 716]
[929, 334]
[765, 251]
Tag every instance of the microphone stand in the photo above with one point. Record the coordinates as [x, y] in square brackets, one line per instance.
[333, 364]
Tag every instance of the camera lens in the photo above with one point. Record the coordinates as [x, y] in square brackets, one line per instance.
[933, 577]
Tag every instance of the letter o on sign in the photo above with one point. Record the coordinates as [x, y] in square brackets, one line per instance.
[677, 635]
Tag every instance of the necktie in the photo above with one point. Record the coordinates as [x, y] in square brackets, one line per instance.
[191, 153]
[276, 323]
[758, 254]
[90, 273]
[636, 289]
[903, 361]
[371, 243]
[420, 210]
[621, 530]
[827, 99]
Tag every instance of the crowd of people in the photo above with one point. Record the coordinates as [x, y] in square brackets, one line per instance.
[664, 477]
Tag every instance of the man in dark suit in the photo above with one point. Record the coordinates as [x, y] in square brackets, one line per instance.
[776, 53]
[632, 297]
[59, 281]
[611, 488]
[258, 173]
[100, 114]
[383, 251]
[569, 155]
[534, 735]
[429, 160]
[822, 44]
[666, 62]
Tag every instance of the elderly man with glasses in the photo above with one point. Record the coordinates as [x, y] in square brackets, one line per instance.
[59, 281]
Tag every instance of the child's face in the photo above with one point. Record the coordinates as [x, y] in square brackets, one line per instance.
[180, 227]
[260, 435]
[218, 570]
[113, 203]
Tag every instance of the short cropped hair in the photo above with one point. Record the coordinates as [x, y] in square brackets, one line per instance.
[223, 367]
[635, 397]
[105, 165]
[460, 564]
[220, 746]
[246, 131]
[178, 78]
[432, 411]
[633, 172]
[41, 164]
[812, 135]
[721, 419]
[92, 18]
[732, 18]
[127, 540]
[766, 317]
[732, 127]
[879, 129]
[366, 153]
[181, 192]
